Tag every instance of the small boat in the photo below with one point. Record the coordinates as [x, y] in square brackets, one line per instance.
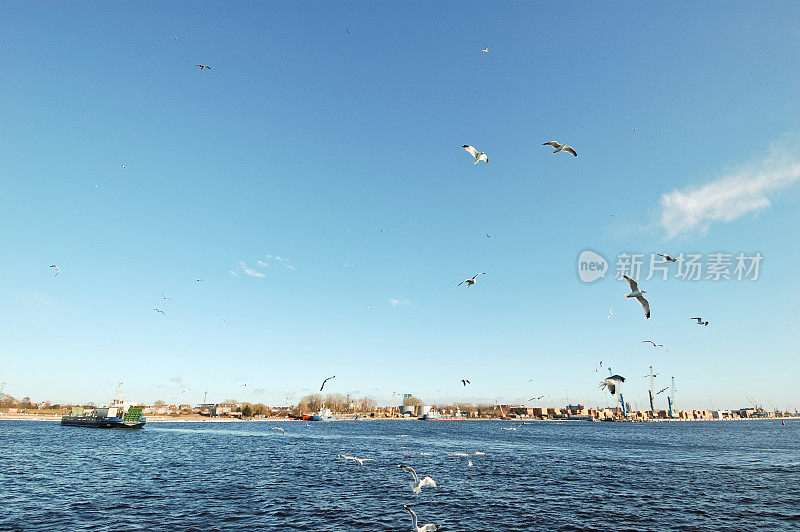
[120, 415]
[433, 415]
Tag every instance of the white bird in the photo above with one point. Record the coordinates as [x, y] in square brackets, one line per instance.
[479, 155]
[280, 429]
[469, 463]
[560, 147]
[656, 345]
[159, 310]
[430, 527]
[58, 270]
[359, 460]
[485, 50]
[610, 312]
[638, 294]
[165, 297]
[417, 484]
[471, 281]
[667, 257]
[323, 382]
[701, 322]
[612, 383]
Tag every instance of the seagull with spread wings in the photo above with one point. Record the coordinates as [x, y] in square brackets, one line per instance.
[417, 484]
[430, 527]
[359, 460]
[471, 281]
[667, 257]
[465, 382]
[203, 66]
[701, 322]
[612, 383]
[656, 345]
[638, 295]
[159, 310]
[560, 147]
[58, 270]
[479, 155]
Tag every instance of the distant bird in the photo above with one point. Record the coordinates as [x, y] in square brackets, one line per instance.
[469, 463]
[471, 281]
[610, 312]
[348, 30]
[382, 231]
[323, 382]
[174, 36]
[479, 156]
[201, 67]
[560, 147]
[124, 165]
[634, 129]
[280, 429]
[165, 297]
[601, 363]
[417, 484]
[159, 310]
[367, 307]
[662, 390]
[485, 50]
[465, 382]
[656, 345]
[612, 383]
[224, 321]
[651, 375]
[58, 270]
[359, 460]
[198, 280]
[535, 398]
[701, 322]
[488, 236]
[613, 215]
[667, 257]
[638, 294]
[414, 527]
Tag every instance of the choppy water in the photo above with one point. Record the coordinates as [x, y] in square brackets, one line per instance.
[545, 476]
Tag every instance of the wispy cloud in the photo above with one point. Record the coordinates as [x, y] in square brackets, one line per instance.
[744, 190]
[394, 302]
[280, 260]
[245, 269]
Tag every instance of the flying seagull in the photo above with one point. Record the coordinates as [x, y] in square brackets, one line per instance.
[535, 398]
[430, 527]
[348, 30]
[280, 429]
[359, 460]
[465, 382]
[610, 312]
[471, 281]
[638, 294]
[560, 147]
[612, 383]
[203, 66]
[198, 280]
[417, 484]
[662, 390]
[656, 345]
[323, 382]
[124, 165]
[701, 322]
[488, 235]
[159, 310]
[485, 50]
[667, 257]
[165, 297]
[58, 270]
[479, 155]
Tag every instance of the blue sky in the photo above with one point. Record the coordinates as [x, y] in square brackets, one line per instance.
[302, 142]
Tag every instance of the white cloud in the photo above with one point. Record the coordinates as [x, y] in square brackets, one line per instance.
[276, 258]
[744, 190]
[394, 302]
[233, 273]
[245, 269]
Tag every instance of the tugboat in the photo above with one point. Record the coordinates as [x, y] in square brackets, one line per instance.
[323, 414]
[120, 415]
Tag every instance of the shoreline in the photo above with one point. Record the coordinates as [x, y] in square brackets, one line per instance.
[204, 419]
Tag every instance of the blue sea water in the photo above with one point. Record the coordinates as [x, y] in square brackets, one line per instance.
[548, 475]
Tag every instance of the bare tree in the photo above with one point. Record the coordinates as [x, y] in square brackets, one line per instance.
[310, 403]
